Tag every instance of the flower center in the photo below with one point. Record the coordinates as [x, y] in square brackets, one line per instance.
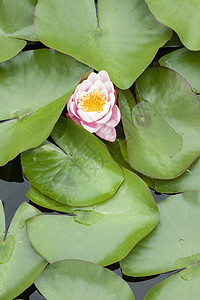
[93, 101]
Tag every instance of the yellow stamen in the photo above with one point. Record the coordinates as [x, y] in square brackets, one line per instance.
[93, 101]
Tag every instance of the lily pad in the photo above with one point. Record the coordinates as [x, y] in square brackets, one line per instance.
[172, 245]
[34, 88]
[118, 151]
[178, 287]
[186, 63]
[16, 26]
[182, 17]
[106, 39]
[76, 279]
[105, 232]
[44, 201]
[162, 130]
[79, 172]
[188, 181]
[20, 264]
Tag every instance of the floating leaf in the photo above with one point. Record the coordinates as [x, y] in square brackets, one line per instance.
[188, 181]
[119, 153]
[177, 287]
[81, 172]
[182, 17]
[116, 149]
[20, 265]
[172, 245]
[126, 218]
[76, 279]
[106, 39]
[40, 199]
[186, 63]
[162, 130]
[34, 88]
[2, 221]
[16, 26]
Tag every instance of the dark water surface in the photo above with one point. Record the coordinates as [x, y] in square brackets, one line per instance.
[13, 189]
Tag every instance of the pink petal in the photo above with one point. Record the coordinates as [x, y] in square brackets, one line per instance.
[112, 99]
[105, 118]
[107, 133]
[104, 93]
[115, 118]
[91, 127]
[96, 87]
[70, 114]
[78, 95]
[69, 101]
[85, 85]
[99, 85]
[85, 116]
[106, 109]
[93, 77]
[73, 109]
[104, 76]
[93, 88]
[76, 120]
[109, 87]
[95, 116]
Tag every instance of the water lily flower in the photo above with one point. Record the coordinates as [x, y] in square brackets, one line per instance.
[93, 106]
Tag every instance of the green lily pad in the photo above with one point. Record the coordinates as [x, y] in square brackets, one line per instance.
[118, 151]
[20, 264]
[79, 173]
[188, 181]
[16, 26]
[34, 88]
[186, 63]
[106, 39]
[76, 279]
[179, 286]
[105, 232]
[182, 17]
[2, 221]
[44, 201]
[86, 217]
[162, 130]
[172, 245]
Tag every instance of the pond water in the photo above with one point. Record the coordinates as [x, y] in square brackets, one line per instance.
[13, 189]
